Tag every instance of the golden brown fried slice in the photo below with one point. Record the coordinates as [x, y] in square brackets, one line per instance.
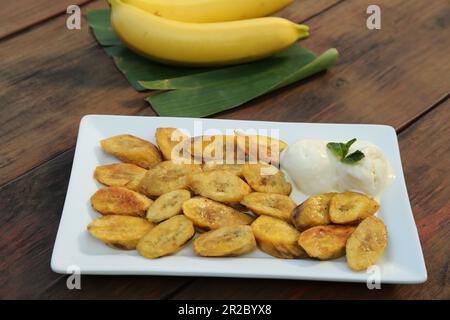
[312, 212]
[167, 205]
[366, 244]
[234, 168]
[271, 204]
[125, 175]
[222, 148]
[165, 177]
[120, 232]
[266, 178]
[277, 238]
[221, 186]
[325, 242]
[120, 201]
[260, 148]
[209, 214]
[195, 145]
[131, 149]
[212, 148]
[351, 207]
[169, 138]
[166, 238]
[226, 241]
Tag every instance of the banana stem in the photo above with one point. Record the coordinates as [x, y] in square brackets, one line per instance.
[303, 31]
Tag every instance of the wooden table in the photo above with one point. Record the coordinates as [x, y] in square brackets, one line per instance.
[51, 76]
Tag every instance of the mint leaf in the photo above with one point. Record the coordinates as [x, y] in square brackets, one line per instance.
[353, 157]
[348, 144]
[340, 150]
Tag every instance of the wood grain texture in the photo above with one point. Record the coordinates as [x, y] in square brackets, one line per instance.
[20, 14]
[301, 10]
[46, 89]
[426, 158]
[30, 209]
[30, 212]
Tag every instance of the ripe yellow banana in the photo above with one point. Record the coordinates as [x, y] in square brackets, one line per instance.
[210, 10]
[202, 44]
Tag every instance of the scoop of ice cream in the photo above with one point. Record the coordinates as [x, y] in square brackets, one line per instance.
[371, 175]
[314, 169]
[309, 165]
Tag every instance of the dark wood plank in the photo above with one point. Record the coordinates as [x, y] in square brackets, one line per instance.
[20, 14]
[46, 89]
[116, 287]
[425, 153]
[302, 10]
[30, 212]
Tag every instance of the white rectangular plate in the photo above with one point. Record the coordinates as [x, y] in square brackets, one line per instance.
[402, 261]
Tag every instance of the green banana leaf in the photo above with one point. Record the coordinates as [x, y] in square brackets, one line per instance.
[202, 101]
[281, 64]
[137, 68]
[200, 92]
[100, 22]
[321, 63]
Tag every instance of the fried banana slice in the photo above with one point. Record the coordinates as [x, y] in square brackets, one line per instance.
[168, 140]
[277, 238]
[131, 149]
[195, 145]
[263, 177]
[209, 214]
[325, 242]
[234, 168]
[366, 244]
[213, 148]
[167, 205]
[165, 177]
[260, 148]
[221, 186]
[120, 201]
[120, 232]
[125, 175]
[351, 207]
[226, 241]
[166, 238]
[271, 204]
[312, 212]
[222, 148]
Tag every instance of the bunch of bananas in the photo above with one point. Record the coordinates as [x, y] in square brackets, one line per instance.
[204, 32]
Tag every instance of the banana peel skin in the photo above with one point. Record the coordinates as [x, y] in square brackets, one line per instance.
[210, 10]
[202, 44]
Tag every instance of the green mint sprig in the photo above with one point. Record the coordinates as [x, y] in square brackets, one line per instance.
[340, 150]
